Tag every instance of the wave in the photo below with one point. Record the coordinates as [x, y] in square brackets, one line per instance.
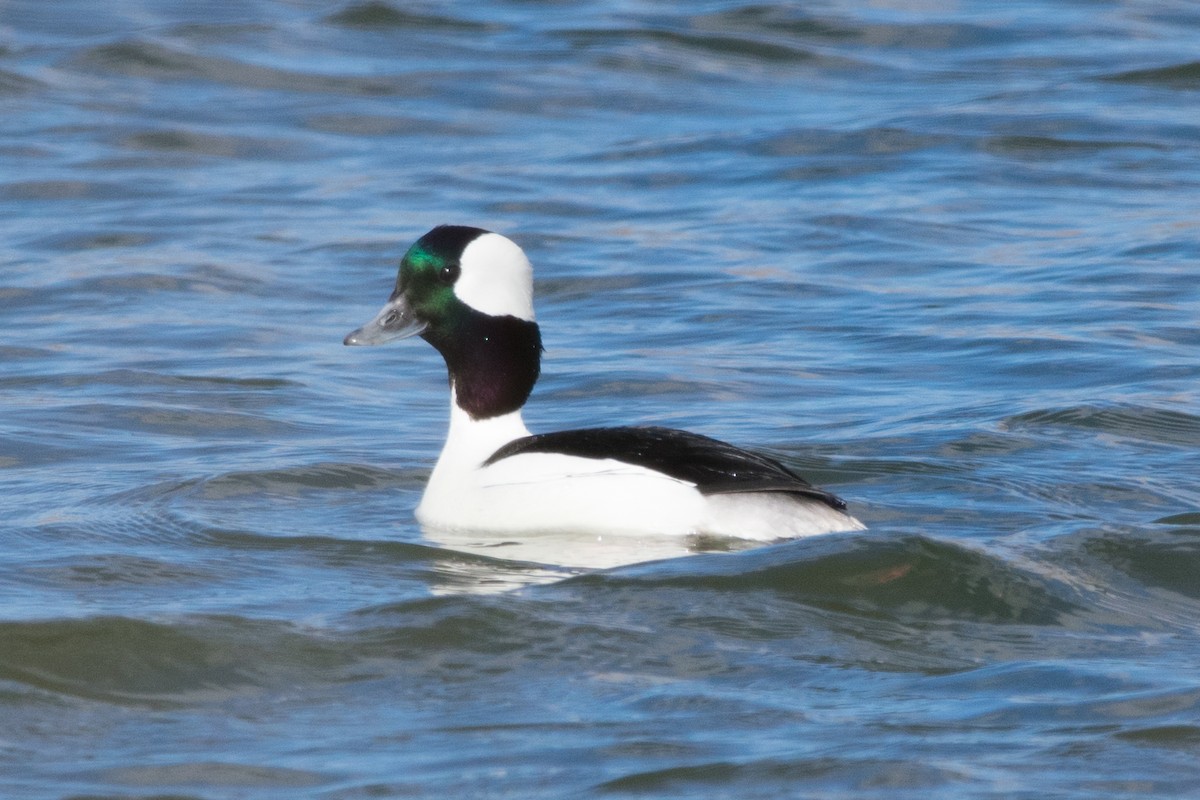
[902, 603]
[1145, 423]
[123, 660]
[909, 577]
[154, 60]
[1174, 76]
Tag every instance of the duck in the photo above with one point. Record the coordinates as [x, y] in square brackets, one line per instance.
[468, 292]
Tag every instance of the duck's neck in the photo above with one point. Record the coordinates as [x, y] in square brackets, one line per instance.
[468, 444]
[470, 440]
[493, 363]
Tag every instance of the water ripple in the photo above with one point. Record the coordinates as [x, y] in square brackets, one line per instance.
[380, 15]
[154, 60]
[1177, 76]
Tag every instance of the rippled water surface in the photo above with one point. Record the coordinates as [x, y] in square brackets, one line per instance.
[940, 258]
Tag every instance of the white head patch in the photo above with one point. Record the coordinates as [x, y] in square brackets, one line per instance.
[496, 278]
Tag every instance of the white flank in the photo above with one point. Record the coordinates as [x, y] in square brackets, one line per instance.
[765, 516]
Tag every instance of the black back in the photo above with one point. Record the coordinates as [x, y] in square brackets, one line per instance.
[713, 466]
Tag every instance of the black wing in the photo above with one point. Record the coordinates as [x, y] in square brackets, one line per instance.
[713, 466]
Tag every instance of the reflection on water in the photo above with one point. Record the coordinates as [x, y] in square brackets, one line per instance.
[580, 551]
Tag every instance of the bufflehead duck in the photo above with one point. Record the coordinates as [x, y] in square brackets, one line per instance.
[469, 293]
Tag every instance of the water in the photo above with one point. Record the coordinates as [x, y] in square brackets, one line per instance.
[940, 258]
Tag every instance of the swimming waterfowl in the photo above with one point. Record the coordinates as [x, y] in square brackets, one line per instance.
[469, 293]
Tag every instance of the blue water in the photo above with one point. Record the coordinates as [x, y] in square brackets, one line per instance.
[939, 258]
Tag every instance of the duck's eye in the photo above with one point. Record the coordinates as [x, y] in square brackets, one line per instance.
[449, 273]
[391, 317]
